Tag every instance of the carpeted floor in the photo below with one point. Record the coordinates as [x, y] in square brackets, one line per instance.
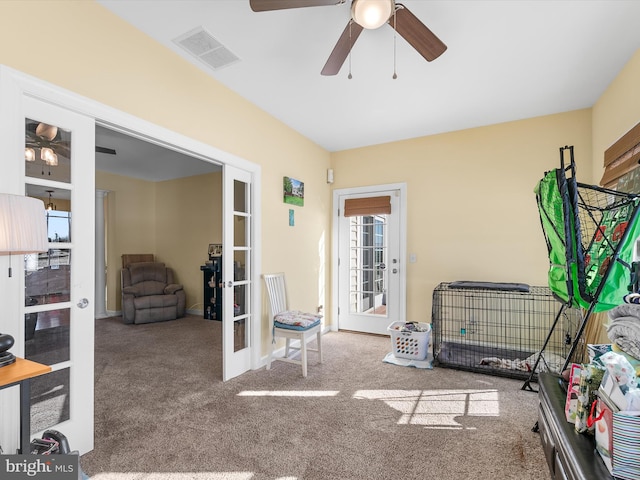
[163, 413]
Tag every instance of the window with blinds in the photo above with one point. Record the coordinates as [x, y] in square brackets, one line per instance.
[621, 162]
[354, 207]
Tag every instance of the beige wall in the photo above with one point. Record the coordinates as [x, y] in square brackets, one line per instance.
[84, 48]
[472, 213]
[130, 218]
[471, 208]
[616, 112]
[175, 220]
[189, 218]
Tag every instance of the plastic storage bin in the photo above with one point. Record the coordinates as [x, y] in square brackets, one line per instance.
[409, 344]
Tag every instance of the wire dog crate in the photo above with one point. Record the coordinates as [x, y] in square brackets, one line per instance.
[499, 328]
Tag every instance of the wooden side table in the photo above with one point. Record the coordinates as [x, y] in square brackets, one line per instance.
[20, 373]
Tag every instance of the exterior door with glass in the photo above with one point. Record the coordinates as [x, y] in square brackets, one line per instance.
[369, 263]
[59, 165]
[237, 267]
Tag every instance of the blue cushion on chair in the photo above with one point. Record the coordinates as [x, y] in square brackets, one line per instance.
[295, 327]
[296, 320]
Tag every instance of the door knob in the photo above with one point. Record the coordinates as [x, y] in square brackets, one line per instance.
[83, 303]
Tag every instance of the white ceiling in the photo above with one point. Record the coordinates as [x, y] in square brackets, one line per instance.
[144, 160]
[506, 60]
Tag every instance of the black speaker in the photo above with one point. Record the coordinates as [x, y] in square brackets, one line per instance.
[6, 342]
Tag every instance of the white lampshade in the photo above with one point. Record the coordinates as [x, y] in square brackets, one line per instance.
[371, 14]
[23, 225]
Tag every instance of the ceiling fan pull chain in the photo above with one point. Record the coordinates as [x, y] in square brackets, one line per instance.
[394, 45]
[350, 48]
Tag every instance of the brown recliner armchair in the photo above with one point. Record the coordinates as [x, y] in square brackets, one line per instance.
[149, 294]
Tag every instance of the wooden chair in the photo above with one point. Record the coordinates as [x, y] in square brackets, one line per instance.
[290, 324]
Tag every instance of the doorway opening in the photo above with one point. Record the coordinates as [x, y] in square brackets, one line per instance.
[369, 258]
[147, 191]
[159, 201]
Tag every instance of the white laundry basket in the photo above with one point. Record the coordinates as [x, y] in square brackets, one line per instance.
[409, 344]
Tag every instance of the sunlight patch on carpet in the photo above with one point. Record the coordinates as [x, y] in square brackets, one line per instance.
[436, 408]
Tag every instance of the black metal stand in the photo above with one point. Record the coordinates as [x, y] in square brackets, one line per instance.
[579, 203]
[527, 383]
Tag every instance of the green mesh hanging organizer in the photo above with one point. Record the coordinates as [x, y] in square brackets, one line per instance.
[590, 234]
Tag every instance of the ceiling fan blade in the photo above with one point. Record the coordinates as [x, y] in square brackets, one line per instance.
[342, 48]
[62, 148]
[416, 33]
[108, 151]
[266, 5]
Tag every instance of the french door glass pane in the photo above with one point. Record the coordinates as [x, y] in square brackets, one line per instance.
[240, 300]
[239, 334]
[57, 203]
[240, 267]
[240, 194]
[48, 277]
[367, 264]
[46, 336]
[48, 274]
[240, 231]
[49, 400]
[47, 151]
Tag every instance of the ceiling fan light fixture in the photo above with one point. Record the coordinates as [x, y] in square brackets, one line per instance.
[49, 157]
[371, 14]
[46, 131]
[50, 206]
[29, 154]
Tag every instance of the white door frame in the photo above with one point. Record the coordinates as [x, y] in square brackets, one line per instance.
[15, 84]
[335, 250]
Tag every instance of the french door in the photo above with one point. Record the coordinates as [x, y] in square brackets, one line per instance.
[59, 168]
[237, 272]
[370, 266]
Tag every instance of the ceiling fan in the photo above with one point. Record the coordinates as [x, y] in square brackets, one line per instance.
[45, 137]
[370, 14]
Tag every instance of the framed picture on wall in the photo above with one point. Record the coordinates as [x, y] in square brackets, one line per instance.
[293, 191]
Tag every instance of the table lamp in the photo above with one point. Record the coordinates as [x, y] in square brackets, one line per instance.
[23, 229]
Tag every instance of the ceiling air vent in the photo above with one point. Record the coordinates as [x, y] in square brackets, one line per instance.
[202, 45]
